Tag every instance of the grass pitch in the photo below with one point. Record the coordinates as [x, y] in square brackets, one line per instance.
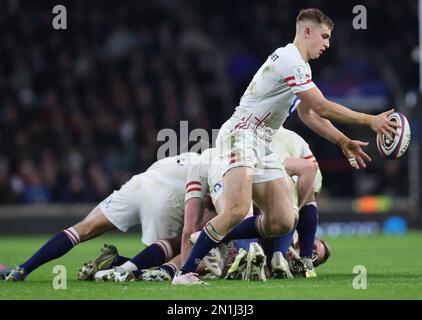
[393, 264]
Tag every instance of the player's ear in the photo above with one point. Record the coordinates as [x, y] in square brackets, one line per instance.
[307, 32]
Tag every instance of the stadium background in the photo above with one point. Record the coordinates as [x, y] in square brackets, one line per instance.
[80, 108]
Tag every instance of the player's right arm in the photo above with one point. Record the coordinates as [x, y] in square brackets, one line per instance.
[193, 220]
[324, 108]
[196, 189]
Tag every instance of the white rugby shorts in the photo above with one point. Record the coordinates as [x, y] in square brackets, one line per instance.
[149, 202]
[243, 148]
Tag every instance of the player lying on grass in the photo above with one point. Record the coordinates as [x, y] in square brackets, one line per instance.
[154, 199]
[249, 167]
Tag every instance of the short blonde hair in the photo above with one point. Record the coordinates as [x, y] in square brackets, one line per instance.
[315, 15]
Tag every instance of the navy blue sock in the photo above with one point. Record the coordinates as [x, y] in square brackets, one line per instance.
[119, 261]
[138, 273]
[170, 268]
[54, 248]
[282, 243]
[152, 256]
[306, 229]
[202, 246]
[244, 230]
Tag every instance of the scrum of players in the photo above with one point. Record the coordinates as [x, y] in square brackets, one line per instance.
[252, 164]
[157, 198]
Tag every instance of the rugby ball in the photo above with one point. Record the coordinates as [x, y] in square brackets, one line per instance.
[393, 149]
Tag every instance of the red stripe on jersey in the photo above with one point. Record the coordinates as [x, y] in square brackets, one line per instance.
[193, 182]
[233, 161]
[233, 154]
[294, 84]
[309, 157]
[193, 189]
[293, 77]
[289, 78]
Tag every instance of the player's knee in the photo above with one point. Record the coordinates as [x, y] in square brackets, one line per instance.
[279, 225]
[237, 213]
[86, 230]
[288, 224]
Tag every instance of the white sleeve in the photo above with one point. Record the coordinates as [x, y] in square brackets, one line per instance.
[196, 183]
[295, 74]
[305, 152]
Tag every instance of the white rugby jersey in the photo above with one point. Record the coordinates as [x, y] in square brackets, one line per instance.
[270, 97]
[204, 177]
[287, 143]
[173, 171]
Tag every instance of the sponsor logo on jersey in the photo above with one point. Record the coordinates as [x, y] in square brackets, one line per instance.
[217, 187]
[299, 73]
[108, 200]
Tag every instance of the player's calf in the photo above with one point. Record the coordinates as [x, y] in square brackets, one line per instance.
[54, 248]
[94, 225]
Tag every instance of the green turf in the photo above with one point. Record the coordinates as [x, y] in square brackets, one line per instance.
[394, 271]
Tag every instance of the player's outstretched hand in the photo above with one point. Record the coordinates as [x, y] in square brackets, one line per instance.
[352, 149]
[381, 124]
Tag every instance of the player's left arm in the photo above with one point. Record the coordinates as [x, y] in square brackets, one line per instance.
[352, 149]
[327, 109]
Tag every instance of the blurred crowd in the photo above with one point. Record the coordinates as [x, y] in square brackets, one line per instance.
[80, 109]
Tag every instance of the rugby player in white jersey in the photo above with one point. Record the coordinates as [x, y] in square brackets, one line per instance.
[154, 199]
[250, 169]
[300, 163]
[204, 178]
